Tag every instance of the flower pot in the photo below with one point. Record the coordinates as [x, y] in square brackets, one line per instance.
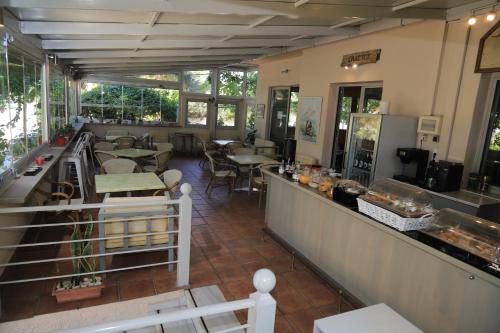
[60, 140]
[77, 294]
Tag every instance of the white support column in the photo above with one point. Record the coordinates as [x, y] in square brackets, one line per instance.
[261, 317]
[184, 236]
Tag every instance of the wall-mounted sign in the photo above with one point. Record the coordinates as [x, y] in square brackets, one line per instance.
[361, 58]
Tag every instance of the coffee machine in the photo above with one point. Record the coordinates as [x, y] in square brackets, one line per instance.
[414, 165]
[444, 176]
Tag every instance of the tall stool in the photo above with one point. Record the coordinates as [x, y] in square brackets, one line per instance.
[76, 160]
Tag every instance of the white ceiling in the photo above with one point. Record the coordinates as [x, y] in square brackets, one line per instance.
[109, 36]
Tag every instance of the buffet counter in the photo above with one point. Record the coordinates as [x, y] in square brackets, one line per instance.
[377, 264]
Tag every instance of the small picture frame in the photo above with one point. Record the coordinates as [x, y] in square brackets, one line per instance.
[429, 125]
[261, 110]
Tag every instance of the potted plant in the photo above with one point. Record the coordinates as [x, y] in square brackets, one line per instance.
[80, 287]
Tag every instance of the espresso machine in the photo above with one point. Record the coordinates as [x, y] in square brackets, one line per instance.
[414, 165]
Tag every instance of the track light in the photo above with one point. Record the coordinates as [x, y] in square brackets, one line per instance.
[354, 65]
[472, 20]
[346, 67]
[491, 16]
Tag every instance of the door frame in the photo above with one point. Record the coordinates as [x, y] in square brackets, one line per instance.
[269, 107]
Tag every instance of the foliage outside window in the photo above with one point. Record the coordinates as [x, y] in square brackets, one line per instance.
[294, 107]
[131, 104]
[198, 81]
[72, 107]
[197, 113]
[56, 101]
[20, 108]
[252, 83]
[226, 115]
[250, 117]
[172, 77]
[231, 83]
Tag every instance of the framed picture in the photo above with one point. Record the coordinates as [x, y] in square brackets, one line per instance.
[310, 116]
[261, 110]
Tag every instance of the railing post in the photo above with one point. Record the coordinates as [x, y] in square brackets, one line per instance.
[261, 317]
[184, 236]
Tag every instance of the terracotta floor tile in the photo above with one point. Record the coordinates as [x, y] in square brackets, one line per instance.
[232, 273]
[303, 321]
[109, 295]
[281, 325]
[136, 288]
[48, 304]
[291, 301]
[240, 289]
[320, 294]
[203, 278]
[301, 279]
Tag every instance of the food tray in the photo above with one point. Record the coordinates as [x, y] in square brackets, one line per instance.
[386, 204]
[393, 219]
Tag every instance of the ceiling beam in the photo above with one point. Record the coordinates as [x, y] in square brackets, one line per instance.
[407, 4]
[54, 44]
[463, 11]
[349, 22]
[261, 21]
[140, 29]
[164, 53]
[176, 6]
[158, 65]
[299, 3]
[82, 61]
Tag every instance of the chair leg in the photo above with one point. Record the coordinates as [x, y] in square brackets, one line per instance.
[261, 193]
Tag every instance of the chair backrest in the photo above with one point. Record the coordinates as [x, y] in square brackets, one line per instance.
[211, 162]
[125, 142]
[103, 156]
[243, 151]
[161, 159]
[104, 146]
[164, 146]
[230, 147]
[119, 165]
[172, 178]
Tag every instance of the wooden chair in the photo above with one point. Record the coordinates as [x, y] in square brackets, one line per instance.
[144, 142]
[125, 142]
[104, 146]
[172, 179]
[210, 149]
[160, 162]
[260, 181]
[220, 171]
[120, 165]
[63, 195]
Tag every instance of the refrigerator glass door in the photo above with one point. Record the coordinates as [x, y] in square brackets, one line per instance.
[364, 132]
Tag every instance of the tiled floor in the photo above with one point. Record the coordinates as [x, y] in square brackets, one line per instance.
[228, 246]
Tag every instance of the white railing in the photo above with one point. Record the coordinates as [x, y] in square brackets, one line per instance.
[260, 304]
[176, 212]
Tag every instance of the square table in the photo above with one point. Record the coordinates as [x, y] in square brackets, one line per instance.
[251, 161]
[128, 182]
[133, 153]
[377, 318]
[223, 142]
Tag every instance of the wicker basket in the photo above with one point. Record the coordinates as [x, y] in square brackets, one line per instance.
[392, 219]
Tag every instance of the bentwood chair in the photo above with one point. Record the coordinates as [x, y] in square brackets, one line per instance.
[221, 174]
[125, 142]
[171, 178]
[210, 149]
[103, 156]
[144, 142]
[120, 165]
[260, 181]
[164, 146]
[243, 171]
[160, 162]
[104, 146]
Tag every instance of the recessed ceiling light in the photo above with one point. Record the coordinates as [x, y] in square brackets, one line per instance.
[472, 20]
[355, 66]
[491, 16]
[346, 67]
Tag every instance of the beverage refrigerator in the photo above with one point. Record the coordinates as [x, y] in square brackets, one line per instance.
[372, 142]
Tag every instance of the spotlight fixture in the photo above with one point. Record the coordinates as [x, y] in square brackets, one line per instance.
[354, 65]
[491, 16]
[472, 20]
[346, 67]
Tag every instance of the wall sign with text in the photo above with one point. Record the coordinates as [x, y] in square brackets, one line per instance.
[361, 58]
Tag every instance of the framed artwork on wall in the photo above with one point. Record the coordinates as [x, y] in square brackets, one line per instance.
[310, 117]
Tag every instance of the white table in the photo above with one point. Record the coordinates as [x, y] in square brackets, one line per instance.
[377, 318]
[251, 161]
[127, 182]
[224, 142]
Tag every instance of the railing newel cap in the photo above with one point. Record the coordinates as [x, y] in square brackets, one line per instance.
[264, 280]
[186, 189]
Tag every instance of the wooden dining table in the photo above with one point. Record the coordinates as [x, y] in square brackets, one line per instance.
[251, 161]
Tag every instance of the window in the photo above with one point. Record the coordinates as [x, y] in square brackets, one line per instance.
[250, 117]
[132, 104]
[251, 83]
[72, 107]
[172, 77]
[197, 113]
[198, 82]
[56, 101]
[490, 164]
[231, 83]
[226, 115]
[20, 107]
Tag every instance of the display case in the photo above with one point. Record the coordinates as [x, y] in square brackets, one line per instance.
[469, 233]
[400, 198]
[347, 191]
